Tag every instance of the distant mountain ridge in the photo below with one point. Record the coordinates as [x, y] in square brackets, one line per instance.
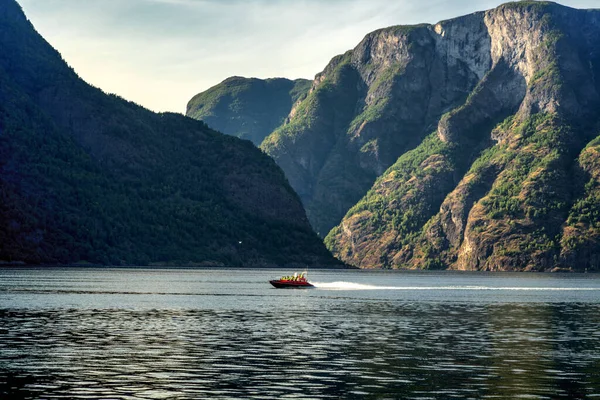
[248, 108]
[469, 144]
[88, 177]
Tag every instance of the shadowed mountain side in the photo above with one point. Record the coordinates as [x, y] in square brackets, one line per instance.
[247, 108]
[89, 177]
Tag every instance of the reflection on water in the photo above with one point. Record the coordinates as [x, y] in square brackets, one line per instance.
[263, 343]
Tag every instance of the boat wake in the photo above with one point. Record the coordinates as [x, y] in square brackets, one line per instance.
[359, 286]
[353, 286]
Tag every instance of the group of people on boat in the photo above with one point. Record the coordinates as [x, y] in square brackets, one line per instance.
[295, 278]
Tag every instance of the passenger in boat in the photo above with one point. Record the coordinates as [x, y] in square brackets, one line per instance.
[294, 278]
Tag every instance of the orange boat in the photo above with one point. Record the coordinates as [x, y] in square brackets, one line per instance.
[296, 281]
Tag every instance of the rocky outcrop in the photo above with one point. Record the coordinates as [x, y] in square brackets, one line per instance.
[510, 182]
[248, 108]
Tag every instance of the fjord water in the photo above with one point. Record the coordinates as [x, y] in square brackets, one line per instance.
[185, 334]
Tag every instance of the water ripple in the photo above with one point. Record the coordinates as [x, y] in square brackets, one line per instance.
[162, 340]
[453, 351]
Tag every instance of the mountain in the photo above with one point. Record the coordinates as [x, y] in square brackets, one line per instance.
[90, 177]
[368, 107]
[509, 179]
[247, 108]
[469, 144]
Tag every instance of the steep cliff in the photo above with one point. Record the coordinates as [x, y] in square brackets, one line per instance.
[247, 108]
[85, 176]
[507, 181]
[371, 105]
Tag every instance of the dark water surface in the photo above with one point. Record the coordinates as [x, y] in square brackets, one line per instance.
[187, 334]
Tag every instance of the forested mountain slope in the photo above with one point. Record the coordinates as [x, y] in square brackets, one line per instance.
[86, 176]
[248, 108]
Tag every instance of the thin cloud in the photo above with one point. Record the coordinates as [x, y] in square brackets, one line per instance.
[159, 53]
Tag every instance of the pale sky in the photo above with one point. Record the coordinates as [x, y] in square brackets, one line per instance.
[160, 53]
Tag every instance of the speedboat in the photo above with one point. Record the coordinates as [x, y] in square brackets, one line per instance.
[292, 282]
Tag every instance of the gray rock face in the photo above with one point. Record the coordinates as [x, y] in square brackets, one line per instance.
[531, 65]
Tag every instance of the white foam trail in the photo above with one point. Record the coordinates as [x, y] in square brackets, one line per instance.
[359, 286]
[352, 286]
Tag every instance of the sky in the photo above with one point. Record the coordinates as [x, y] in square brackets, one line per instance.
[160, 53]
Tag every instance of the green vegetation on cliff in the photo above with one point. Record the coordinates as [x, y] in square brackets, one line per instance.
[398, 205]
[507, 211]
[87, 177]
[517, 224]
[580, 241]
[248, 108]
[312, 151]
[488, 195]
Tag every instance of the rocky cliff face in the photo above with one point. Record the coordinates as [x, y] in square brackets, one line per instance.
[85, 176]
[248, 108]
[507, 181]
[374, 103]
